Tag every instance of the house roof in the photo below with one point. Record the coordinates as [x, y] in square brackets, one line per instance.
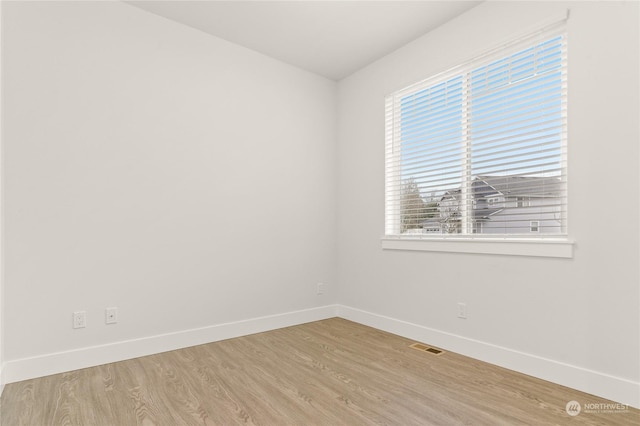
[515, 186]
[484, 213]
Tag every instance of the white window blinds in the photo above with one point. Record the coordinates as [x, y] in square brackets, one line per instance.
[482, 149]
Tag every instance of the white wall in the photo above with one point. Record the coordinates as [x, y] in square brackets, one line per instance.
[148, 166]
[1, 222]
[192, 183]
[578, 316]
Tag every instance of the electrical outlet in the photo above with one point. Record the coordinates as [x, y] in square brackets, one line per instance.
[462, 310]
[79, 319]
[111, 315]
[320, 288]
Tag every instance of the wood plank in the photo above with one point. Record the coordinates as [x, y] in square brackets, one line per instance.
[331, 372]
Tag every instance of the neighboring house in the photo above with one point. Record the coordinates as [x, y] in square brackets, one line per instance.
[503, 205]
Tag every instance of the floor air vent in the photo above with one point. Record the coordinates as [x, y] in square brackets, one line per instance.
[425, 348]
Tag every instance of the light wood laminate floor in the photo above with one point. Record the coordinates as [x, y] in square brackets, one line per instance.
[331, 372]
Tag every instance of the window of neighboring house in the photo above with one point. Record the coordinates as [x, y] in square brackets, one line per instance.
[496, 124]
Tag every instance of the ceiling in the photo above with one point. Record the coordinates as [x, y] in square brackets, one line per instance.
[330, 38]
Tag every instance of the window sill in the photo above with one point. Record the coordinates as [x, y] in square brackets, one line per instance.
[560, 247]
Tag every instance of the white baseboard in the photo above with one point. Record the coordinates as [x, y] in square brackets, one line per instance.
[60, 362]
[614, 388]
[2, 369]
[599, 384]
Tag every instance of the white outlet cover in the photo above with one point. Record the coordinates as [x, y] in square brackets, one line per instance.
[111, 316]
[462, 310]
[79, 319]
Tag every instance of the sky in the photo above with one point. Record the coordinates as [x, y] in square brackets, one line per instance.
[515, 115]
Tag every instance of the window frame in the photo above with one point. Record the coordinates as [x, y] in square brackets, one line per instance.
[553, 245]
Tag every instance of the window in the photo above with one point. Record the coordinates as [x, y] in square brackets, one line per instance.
[480, 151]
